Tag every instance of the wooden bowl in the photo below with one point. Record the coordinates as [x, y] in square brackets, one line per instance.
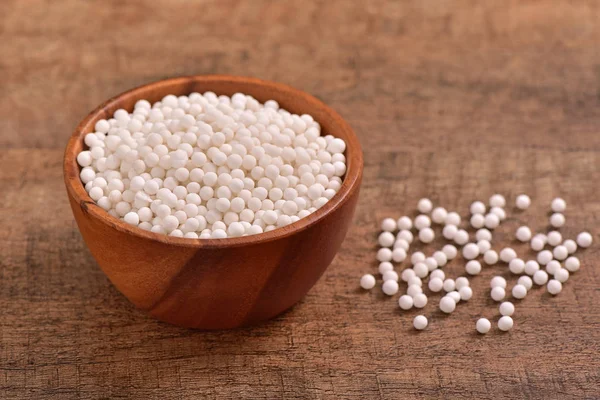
[216, 283]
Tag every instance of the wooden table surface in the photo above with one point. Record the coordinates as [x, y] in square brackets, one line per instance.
[451, 100]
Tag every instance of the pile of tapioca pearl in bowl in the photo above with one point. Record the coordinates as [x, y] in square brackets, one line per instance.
[207, 166]
[552, 266]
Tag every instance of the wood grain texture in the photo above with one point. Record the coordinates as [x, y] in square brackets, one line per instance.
[221, 283]
[453, 100]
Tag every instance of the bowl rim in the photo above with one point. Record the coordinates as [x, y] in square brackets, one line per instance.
[76, 190]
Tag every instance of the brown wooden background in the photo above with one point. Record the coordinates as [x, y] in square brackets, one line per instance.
[451, 99]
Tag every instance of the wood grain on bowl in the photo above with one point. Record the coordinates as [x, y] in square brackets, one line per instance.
[217, 283]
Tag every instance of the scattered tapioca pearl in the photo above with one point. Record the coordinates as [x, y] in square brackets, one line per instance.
[499, 212]
[497, 200]
[560, 252]
[584, 239]
[449, 285]
[505, 323]
[398, 254]
[390, 287]
[490, 257]
[405, 235]
[367, 281]
[424, 206]
[384, 254]
[558, 205]
[544, 257]
[477, 221]
[405, 302]
[540, 278]
[435, 284]
[473, 267]
[449, 231]
[570, 245]
[404, 223]
[420, 322]
[507, 254]
[426, 235]
[390, 275]
[554, 287]
[454, 295]
[460, 290]
[386, 239]
[407, 274]
[543, 237]
[402, 244]
[492, 221]
[519, 291]
[507, 308]
[498, 293]
[484, 246]
[562, 275]
[440, 257]
[554, 238]
[447, 304]
[461, 282]
[450, 251]
[483, 325]
[419, 300]
[557, 220]
[415, 280]
[465, 293]
[470, 251]
[572, 264]
[417, 257]
[385, 266]
[414, 290]
[516, 266]
[453, 218]
[438, 215]
[461, 237]
[388, 225]
[438, 273]
[431, 263]
[421, 269]
[422, 221]
[477, 207]
[498, 281]
[523, 202]
[523, 234]
[483, 234]
[537, 243]
[531, 267]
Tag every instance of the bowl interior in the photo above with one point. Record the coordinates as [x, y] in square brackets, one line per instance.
[291, 99]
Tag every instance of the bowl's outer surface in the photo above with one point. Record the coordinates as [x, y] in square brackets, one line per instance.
[227, 283]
